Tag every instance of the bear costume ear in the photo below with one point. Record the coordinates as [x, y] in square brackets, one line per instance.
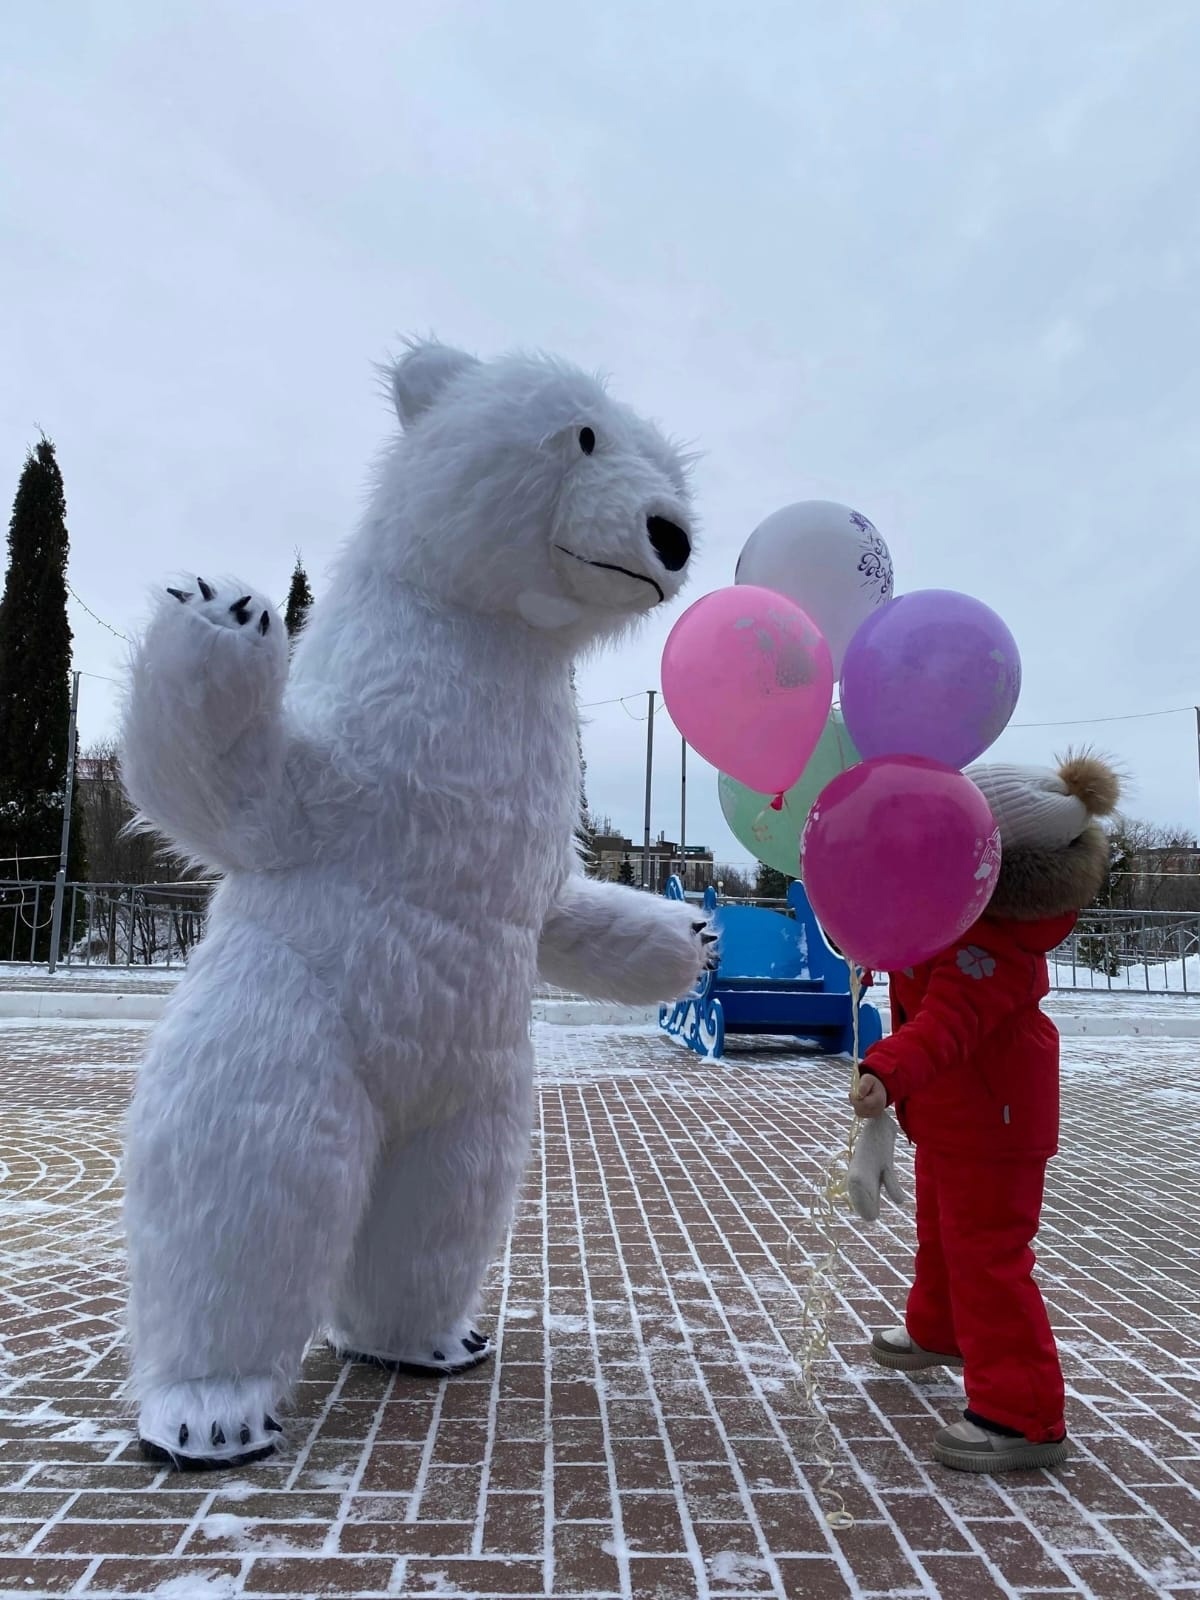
[421, 374]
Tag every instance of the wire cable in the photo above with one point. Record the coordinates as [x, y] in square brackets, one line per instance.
[1067, 722]
[115, 631]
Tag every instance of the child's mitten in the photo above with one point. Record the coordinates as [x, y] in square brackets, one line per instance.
[872, 1166]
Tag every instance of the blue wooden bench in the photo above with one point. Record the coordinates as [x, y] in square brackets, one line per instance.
[777, 974]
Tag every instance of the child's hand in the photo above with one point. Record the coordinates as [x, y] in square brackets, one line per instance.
[871, 1099]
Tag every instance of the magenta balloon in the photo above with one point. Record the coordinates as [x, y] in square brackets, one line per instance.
[748, 680]
[933, 674]
[900, 856]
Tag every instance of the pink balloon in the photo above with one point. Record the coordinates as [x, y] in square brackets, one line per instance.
[901, 856]
[748, 680]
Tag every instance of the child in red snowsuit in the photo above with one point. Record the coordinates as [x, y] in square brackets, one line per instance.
[972, 1069]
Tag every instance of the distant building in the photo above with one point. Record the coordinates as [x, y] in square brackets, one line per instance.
[1159, 878]
[612, 852]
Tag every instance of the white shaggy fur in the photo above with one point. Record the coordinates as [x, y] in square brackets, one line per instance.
[334, 1114]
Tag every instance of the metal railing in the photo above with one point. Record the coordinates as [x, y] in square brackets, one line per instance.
[1131, 952]
[104, 924]
[1121, 952]
[157, 924]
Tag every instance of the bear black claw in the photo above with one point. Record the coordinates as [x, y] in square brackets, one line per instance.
[241, 609]
[474, 1344]
[439, 1355]
[206, 589]
[699, 927]
[245, 1435]
[272, 1426]
[183, 1435]
[218, 1434]
[264, 622]
[708, 938]
[183, 595]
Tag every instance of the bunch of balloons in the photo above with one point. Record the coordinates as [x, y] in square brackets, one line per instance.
[897, 848]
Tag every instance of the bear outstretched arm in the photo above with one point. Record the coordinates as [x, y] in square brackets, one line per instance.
[203, 736]
[615, 943]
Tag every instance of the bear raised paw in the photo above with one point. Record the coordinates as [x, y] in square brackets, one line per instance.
[334, 1114]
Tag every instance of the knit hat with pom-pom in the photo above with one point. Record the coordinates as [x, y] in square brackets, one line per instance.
[1037, 806]
[1055, 855]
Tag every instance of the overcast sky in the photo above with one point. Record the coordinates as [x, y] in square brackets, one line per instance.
[935, 260]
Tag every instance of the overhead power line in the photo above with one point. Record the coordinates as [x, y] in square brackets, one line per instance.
[1084, 722]
[1066, 722]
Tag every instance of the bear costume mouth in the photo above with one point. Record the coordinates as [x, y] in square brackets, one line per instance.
[611, 566]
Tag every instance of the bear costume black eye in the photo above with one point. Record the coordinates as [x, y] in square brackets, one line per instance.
[587, 441]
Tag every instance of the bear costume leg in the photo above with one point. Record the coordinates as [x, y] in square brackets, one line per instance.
[251, 1147]
[442, 1199]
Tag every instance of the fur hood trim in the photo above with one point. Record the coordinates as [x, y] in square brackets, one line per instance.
[1036, 883]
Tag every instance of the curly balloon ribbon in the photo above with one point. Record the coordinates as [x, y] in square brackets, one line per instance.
[761, 827]
[813, 1344]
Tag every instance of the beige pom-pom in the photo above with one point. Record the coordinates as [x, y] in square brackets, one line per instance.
[1092, 781]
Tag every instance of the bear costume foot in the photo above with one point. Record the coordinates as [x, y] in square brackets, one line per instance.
[458, 1351]
[209, 1426]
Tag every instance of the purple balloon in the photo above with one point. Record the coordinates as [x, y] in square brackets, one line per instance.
[933, 674]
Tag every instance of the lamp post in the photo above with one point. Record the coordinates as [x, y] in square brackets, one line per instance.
[649, 770]
[60, 878]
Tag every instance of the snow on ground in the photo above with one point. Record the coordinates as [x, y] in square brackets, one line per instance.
[1176, 977]
[20, 975]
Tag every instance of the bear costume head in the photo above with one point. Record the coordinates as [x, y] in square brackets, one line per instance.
[585, 504]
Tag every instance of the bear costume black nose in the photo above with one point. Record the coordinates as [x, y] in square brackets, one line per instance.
[671, 545]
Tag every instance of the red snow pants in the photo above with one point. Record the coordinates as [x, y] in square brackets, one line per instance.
[974, 1293]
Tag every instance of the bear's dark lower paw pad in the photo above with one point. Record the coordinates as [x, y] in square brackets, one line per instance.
[457, 1350]
[209, 1426]
[182, 1462]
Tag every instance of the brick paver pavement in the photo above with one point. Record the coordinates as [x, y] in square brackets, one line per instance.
[642, 1433]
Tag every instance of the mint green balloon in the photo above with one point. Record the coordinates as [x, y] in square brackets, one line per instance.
[773, 837]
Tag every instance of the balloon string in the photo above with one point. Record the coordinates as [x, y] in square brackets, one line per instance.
[813, 1344]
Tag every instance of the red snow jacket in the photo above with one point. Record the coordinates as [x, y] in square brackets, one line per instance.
[972, 1062]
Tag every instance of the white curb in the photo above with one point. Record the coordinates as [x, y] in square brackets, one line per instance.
[585, 1013]
[42, 1005]
[47, 1005]
[1128, 1027]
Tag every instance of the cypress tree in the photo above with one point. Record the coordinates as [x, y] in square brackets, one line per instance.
[35, 696]
[585, 828]
[299, 600]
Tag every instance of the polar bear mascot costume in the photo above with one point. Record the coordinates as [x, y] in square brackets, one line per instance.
[334, 1114]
